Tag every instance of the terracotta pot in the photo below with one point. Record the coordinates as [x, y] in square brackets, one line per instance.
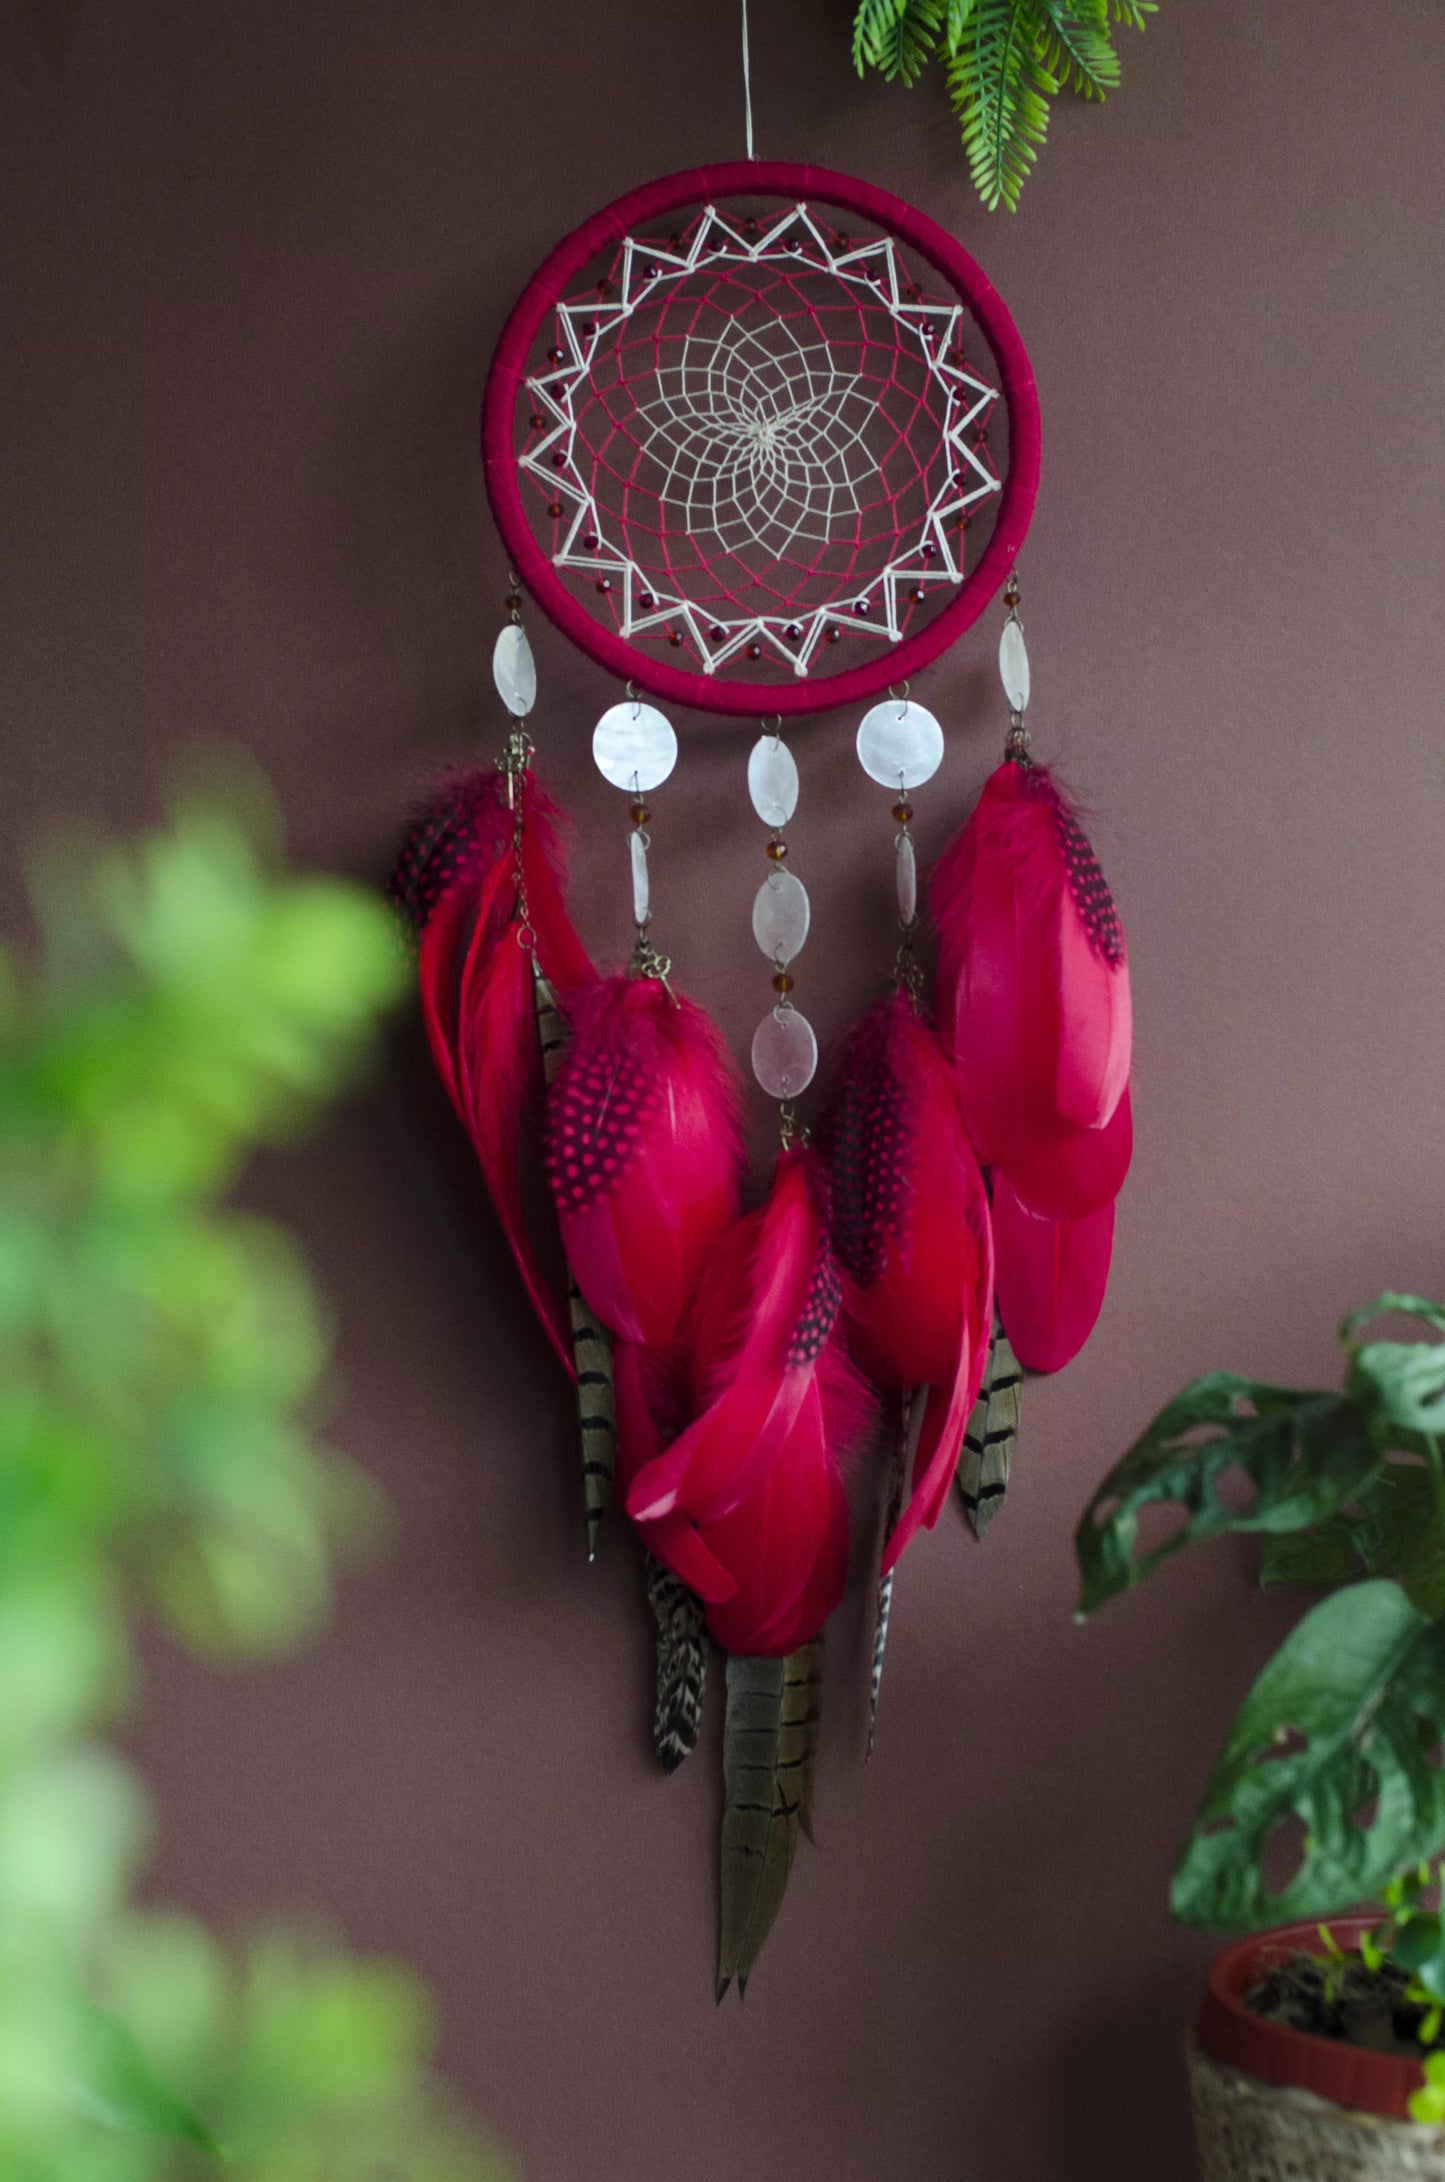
[1378, 2083]
[1278, 2105]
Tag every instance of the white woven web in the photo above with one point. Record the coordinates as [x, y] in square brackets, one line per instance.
[761, 438]
[755, 438]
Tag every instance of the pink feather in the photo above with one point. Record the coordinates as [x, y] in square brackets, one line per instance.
[1077, 1170]
[644, 1152]
[756, 1473]
[1051, 1277]
[911, 1227]
[1033, 971]
[456, 882]
[640, 1384]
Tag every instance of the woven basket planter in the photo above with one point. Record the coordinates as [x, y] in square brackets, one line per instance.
[1276, 2105]
[1256, 2132]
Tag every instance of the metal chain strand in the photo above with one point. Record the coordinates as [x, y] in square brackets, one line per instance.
[647, 962]
[513, 764]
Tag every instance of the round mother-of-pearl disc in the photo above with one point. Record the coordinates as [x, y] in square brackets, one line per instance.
[781, 914]
[773, 780]
[634, 746]
[900, 744]
[785, 1053]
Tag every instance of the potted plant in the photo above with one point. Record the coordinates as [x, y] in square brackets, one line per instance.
[1320, 2045]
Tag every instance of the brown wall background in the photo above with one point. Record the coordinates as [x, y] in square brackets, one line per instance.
[254, 259]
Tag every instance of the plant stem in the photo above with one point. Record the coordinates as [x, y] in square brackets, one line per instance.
[1437, 1472]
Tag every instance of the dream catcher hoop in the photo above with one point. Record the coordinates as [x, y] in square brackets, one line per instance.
[761, 438]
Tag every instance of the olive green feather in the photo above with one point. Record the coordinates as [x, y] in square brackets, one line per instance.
[682, 1649]
[988, 1440]
[591, 1342]
[770, 1743]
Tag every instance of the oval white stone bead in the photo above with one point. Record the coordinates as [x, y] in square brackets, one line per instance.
[780, 917]
[785, 1053]
[1013, 666]
[515, 671]
[773, 780]
[907, 880]
[900, 745]
[641, 902]
[633, 746]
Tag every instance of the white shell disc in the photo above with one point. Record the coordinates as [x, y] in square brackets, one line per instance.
[515, 671]
[633, 746]
[1013, 666]
[780, 917]
[785, 1053]
[773, 780]
[900, 744]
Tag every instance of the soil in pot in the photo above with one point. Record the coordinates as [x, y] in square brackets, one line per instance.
[1342, 1998]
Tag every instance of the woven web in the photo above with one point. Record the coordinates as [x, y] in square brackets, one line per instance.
[758, 437]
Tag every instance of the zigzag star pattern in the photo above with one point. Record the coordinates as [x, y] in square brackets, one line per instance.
[755, 436]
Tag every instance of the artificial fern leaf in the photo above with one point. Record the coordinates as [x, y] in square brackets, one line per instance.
[1001, 84]
[1133, 12]
[872, 24]
[956, 23]
[896, 37]
[1075, 44]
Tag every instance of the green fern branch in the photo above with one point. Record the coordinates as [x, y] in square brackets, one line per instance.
[1004, 60]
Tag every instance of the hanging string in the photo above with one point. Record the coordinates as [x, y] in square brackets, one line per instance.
[747, 82]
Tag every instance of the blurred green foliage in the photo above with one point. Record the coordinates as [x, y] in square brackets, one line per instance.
[161, 1365]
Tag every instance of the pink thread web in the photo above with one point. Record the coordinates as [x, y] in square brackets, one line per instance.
[760, 445]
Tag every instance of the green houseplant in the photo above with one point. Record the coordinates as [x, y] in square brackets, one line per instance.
[1330, 1792]
[162, 1359]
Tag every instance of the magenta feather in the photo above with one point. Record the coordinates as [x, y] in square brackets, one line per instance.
[644, 1152]
[911, 1227]
[1050, 1275]
[455, 880]
[756, 1472]
[1033, 970]
[1077, 1170]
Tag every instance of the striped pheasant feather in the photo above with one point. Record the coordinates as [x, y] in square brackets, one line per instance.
[682, 1649]
[591, 1342]
[988, 1441]
[770, 1742]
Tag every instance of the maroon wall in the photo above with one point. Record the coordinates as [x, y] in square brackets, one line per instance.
[254, 258]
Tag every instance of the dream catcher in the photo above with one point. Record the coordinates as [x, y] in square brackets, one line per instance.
[763, 441]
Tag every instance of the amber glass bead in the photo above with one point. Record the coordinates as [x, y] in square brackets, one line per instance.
[674, 638]
[782, 983]
[640, 813]
[755, 651]
[777, 851]
[835, 636]
[554, 508]
[903, 812]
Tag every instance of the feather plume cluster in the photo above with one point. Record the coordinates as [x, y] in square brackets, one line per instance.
[480, 909]
[1034, 1004]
